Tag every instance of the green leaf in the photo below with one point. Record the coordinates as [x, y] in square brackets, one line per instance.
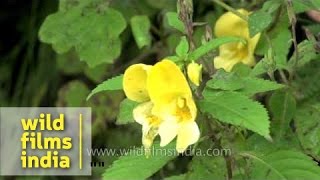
[73, 94]
[261, 19]
[306, 83]
[258, 21]
[174, 21]
[263, 66]
[305, 5]
[183, 47]
[308, 127]
[282, 106]
[211, 45]
[283, 165]
[140, 26]
[114, 83]
[72, 26]
[257, 85]
[236, 109]
[279, 41]
[247, 85]
[225, 81]
[135, 165]
[207, 168]
[307, 53]
[178, 177]
[125, 112]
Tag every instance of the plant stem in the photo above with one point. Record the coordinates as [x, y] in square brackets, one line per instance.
[217, 142]
[185, 15]
[293, 21]
[231, 9]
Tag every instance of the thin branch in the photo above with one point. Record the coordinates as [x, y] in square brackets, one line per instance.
[231, 9]
[293, 21]
[217, 142]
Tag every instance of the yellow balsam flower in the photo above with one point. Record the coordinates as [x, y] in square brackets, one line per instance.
[167, 107]
[230, 54]
[194, 71]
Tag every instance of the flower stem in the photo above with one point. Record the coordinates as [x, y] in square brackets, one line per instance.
[231, 9]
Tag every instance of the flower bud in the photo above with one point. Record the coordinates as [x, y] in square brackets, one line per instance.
[195, 73]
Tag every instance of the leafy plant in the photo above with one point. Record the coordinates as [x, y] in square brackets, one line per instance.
[258, 95]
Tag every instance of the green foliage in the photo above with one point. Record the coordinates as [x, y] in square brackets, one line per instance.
[114, 83]
[256, 24]
[125, 113]
[237, 109]
[231, 111]
[283, 164]
[72, 26]
[183, 47]
[304, 5]
[211, 45]
[279, 40]
[136, 165]
[282, 106]
[308, 128]
[246, 85]
[178, 177]
[174, 21]
[306, 53]
[140, 26]
[306, 83]
[203, 167]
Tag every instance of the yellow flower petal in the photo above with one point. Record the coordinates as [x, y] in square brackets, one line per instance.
[150, 123]
[166, 82]
[188, 134]
[230, 24]
[252, 42]
[142, 112]
[135, 82]
[230, 54]
[194, 71]
[168, 130]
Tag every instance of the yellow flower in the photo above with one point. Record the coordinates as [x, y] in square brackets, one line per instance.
[230, 54]
[194, 71]
[167, 107]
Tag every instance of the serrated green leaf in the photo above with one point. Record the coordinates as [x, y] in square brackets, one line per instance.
[225, 81]
[261, 19]
[241, 69]
[306, 83]
[137, 166]
[282, 106]
[236, 109]
[307, 53]
[261, 67]
[258, 21]
[247, 85]
[207, 168]
[258, 85]
[183, 47]
[114, 83]
[72, 26]
[284, 165]
[211, 45]
[140, 26]
[279, 40]
[125, 112]
[174, 21]
[308, 127]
